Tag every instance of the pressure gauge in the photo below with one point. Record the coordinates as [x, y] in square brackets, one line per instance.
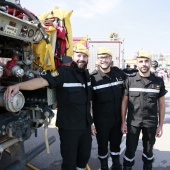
[30, 33]
[38, 36]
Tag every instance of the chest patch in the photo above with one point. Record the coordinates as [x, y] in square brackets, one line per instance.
[155, 86]
[118, 78]
[55, 73]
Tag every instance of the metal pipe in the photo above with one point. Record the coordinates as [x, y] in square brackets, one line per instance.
[28, 164]
[30, 155]
[7, 144]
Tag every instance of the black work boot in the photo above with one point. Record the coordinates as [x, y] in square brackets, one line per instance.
[116, 163]
[104, 164]
[127, 168]
[147, 166]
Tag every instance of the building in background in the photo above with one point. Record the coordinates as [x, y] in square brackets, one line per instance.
[163, 59]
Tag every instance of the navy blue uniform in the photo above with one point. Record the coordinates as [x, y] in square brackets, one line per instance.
[143, 93]
[106, 105]
[73, 117]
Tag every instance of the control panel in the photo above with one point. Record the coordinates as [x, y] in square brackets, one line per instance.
[17, 28]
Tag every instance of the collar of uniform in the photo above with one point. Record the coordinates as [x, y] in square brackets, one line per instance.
[153, 77]
[87, 74]
[150, 78]
[102, 74]
[138, 77]
[77, 75]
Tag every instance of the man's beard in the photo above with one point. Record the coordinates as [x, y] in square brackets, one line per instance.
[144, 71]
[79, 67]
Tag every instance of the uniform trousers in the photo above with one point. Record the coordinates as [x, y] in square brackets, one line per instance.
[108, 132]
[132, 137]
[75, 147]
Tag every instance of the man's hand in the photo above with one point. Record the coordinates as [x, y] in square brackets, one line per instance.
[159, 131]
[11, 91]
[93, 130]
[124, 128]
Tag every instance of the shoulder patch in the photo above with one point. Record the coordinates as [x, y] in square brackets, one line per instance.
[44, 72]
[157, 87]
[94, 72]
[54, 73]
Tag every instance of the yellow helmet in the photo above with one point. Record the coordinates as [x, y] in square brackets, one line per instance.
[142, 53]
[80, 48]
[103, 50]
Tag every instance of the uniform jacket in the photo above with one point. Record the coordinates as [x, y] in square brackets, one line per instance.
[143, 97]
[107, 95]
[73, 97]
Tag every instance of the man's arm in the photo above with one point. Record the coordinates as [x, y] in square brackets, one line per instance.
[32, 84]
[123, 113]
[161, 103]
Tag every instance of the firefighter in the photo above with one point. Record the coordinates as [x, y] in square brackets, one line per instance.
[107, 86]
[143, 91]
[73, 117]
[154, 66]
[134, 68]
[128, 70]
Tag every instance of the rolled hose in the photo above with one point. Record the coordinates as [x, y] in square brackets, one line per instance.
[3, 3]
[46, 140]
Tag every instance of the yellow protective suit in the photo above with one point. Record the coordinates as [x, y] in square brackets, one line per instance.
[62, 14]
[46, 51]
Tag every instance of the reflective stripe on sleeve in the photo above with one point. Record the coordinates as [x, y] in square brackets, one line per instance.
[107, 85]
[144, 90]
[76, 84]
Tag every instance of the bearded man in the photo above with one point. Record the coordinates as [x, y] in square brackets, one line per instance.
[73, 117]
[143, 93]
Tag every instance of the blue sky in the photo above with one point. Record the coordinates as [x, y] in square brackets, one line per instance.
[143, 23]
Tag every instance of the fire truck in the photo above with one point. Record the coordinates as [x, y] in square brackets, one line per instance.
[21, 35]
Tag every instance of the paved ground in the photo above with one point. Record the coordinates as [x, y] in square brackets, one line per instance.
[53, 160]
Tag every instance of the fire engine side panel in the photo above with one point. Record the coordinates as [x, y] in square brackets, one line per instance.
[13, 27]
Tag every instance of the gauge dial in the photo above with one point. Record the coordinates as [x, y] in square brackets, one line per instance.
[30, 33]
